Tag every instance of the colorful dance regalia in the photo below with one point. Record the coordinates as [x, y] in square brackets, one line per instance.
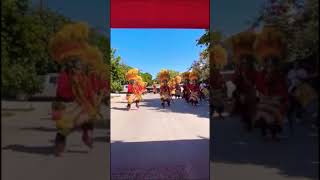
[244, 77]
[130, 94]
[218, 92]
[194, 89]
[165, 90]
[271, 83]
[194, 94]
[186, 84]
[139, 88]
[218, 59]
[133, 94]
[172, 86]
[154, 88]
[165, 94]
[77, 93]
[186, 91]
[177, 86]
[273, 102]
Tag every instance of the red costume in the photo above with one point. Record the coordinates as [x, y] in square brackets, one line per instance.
[64, 88]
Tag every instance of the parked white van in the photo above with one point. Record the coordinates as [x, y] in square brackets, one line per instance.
[49, 86]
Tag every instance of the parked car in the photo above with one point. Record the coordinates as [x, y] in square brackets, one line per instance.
[49, 87]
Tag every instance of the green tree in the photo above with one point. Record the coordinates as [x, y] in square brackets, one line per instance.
[20, 49]
[146, 77]
[118, 72]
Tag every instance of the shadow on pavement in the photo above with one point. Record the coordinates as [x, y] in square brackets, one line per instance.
[294, 156]
[103, 139]
[41, 129]
[40, 150]
[152, 158]
[178, 106]
[120, 109]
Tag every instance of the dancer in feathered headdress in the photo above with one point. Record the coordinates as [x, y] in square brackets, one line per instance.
[132, 78]
[186, 84]
[69, 47]
[177, 87]
[270, 47]
[172, 85]
[244, 76]
[154, 88]
[194, 88]
[164, 77]
[218, 59]
[139, 89]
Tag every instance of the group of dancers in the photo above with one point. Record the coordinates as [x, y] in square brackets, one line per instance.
[170, 87]
[261, 97]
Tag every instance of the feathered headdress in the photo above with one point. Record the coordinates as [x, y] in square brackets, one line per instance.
[140, 82]
[243, 45]
[172, 82]
[70, 41]
[164, 75]
[132, 74]
[94, 58]
[178, 79]
[218, 56]
[193, 75]
[185, 76]
[270, 43]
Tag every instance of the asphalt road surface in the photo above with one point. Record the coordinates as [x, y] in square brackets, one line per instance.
[154, 143]
[237, 154]
[27, 149]
[159, 143]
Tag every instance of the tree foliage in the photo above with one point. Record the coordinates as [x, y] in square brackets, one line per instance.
[25, 36]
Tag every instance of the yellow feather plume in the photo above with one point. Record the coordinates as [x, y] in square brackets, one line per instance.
[164, 75]
[218, 56]
[132, 74]
[70, 41]
[172, 82]
[270, 43]
[243, 44]
[178, 79]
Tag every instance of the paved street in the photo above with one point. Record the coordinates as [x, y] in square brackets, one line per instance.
[156, 143]
[27, 147]
[170, 143]
[240, 155]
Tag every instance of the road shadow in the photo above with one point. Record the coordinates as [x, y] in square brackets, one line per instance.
[141, 157]
[77, 151]
[41, 129]
[178, 106]
[40, 150]
[293, 156]
[120, 109]
[102, 139]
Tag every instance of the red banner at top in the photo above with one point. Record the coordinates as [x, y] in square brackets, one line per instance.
[188, 14]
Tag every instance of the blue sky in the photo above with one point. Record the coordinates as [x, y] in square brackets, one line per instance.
[153, 49]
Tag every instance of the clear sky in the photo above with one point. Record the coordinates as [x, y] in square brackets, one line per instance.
[153, 49]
